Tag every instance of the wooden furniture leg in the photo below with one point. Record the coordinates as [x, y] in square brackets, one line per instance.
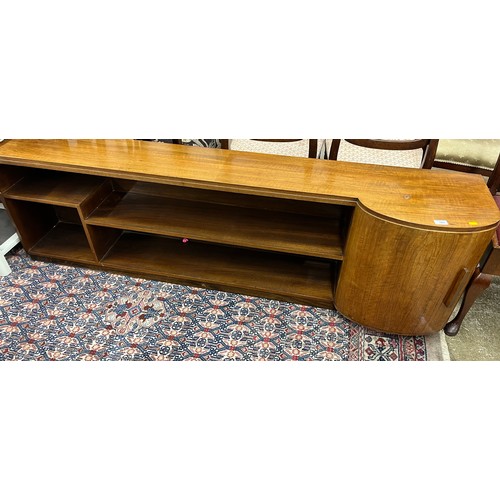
[477, 285]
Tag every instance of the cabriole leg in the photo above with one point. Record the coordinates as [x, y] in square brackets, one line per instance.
[477, 285]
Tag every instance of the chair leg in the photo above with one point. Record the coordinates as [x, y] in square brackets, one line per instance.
[494, 179]
[477, 285]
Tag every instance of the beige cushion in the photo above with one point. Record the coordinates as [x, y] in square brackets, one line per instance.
[296, 148]
[392, 158]
[477, 152]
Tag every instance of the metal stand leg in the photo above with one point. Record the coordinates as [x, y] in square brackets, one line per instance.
[5, 247]
[4, 266]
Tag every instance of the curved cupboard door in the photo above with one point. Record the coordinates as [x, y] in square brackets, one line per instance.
[402, 279]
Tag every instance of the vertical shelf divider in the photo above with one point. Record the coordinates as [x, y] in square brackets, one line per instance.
[100, 239]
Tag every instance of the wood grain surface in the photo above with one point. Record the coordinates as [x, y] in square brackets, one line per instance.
[271, 275]
[411, 279]
[245, 227]
[67, 242]
[414, 240]
[55, 188]
[409, 196]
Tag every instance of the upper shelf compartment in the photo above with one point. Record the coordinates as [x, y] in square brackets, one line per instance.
[55, 188]
[237, 226]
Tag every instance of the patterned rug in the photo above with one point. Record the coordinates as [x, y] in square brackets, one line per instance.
[55, 312]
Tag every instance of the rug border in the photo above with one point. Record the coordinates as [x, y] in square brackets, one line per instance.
[437, 347]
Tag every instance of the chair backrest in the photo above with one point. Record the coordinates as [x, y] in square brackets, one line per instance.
[428, 147]
[494, 178]
[312, 150]
[472, 156]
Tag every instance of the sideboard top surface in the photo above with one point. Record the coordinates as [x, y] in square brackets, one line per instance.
[421, 198]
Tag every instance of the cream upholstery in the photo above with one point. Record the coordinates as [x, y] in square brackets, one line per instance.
[296, 148]
[476, 152]
[393, 158]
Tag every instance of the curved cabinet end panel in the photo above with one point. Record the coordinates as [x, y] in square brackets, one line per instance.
[401, 279]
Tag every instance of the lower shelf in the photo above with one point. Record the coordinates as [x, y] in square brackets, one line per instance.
[254, 228]
[65, 241]
[264, 274]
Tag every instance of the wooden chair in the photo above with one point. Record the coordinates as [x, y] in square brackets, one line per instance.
[243, 145]
[386, 152]
[486, 269]
[476, 156]
[494, 178]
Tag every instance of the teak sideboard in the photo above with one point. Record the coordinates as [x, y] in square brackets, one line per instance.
[390, 248]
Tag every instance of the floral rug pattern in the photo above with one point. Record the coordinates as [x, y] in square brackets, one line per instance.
[54, 312]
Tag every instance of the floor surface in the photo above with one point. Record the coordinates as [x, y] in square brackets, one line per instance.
[479, 336]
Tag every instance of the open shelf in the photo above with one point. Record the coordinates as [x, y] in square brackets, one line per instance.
[244, 227]
[228, 198]
[65, 241]
[264, 225]
[54, 188]
[272, 275]
[261, 246]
